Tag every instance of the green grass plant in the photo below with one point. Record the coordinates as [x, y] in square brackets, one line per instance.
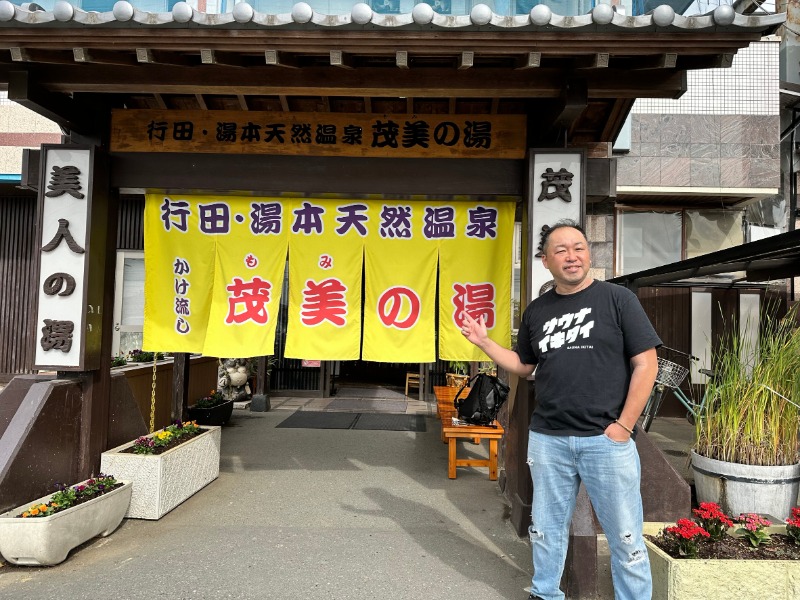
[752, 415]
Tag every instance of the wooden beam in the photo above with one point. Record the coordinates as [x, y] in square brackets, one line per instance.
[401, 59]
[562, 43]
[466, 60]
[373, 82]
[367, 105]
[158, 57]
[284, 102]
[531, 60]
[326, 104]
[273, 58]
[574, 101]
[660, 61]
[180, 386]
[242, 101]
[19, 54]
[594, 61]
[59, 108]
[718, 61]
[451, 106]
[410, 105]
[105, 57]
[201, 102]
[495, 105]
[340, 59]
[616, 119]
[160, 101]
[209, 56]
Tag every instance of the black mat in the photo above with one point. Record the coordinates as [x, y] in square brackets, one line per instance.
[358, 405]
[308, 419]
[388, 422]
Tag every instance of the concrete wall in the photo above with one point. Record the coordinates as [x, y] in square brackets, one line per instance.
[22, 128]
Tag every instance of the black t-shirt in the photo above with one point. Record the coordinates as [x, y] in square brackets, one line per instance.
[581, 345]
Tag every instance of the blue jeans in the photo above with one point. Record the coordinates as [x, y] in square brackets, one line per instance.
[611, 472]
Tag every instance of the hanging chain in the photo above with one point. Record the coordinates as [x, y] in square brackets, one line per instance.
[153, 396]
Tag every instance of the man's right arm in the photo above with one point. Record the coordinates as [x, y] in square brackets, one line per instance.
[475, 332]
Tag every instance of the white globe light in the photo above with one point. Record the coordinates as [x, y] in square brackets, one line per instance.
[7, 10]
[724, 15]
[481, 14]
[663, 15]
[602, 14]
[123, 10]
[361, 13]
[422, 13]
[63, 11]
[541, 14]
[243, 13]
[182, 12]
[302, 12]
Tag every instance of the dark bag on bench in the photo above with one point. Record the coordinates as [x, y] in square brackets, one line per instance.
[481, 405]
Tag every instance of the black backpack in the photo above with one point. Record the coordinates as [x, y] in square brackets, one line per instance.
[481, 405]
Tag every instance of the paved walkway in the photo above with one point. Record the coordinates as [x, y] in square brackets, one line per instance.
[303, 513]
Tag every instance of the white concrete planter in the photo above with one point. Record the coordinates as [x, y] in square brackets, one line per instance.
[704, 579]
[162, 481]
[741, 488]
[42, 541]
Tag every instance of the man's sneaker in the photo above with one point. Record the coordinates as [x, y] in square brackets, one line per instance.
[532, 597]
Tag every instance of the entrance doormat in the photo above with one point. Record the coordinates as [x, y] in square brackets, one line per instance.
[307, 419]
[357, 405]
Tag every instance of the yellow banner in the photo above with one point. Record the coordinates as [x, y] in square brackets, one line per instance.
[325, 258]
[213, 274]
[400, 279]
[475, 276]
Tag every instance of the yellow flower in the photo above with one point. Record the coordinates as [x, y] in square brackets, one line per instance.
[164, 435]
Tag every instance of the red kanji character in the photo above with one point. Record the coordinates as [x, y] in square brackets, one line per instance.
[477, 299]
[391, 302]
[324, 301]
[253, 295]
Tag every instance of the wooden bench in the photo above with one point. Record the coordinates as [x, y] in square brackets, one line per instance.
[453, 433]
[445, 395]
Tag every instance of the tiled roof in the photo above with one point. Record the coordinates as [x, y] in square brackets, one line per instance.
[603, 18]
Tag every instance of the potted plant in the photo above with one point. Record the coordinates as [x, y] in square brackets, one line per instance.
[458, 374]
[701, 558]
[166, 467]
[212, 409]
[43, 532]
[138, 356]
[118, 361]
[745, 456]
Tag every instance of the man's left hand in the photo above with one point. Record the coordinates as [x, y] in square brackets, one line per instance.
[617, 433]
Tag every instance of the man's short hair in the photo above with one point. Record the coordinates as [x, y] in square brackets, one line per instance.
[560, 224]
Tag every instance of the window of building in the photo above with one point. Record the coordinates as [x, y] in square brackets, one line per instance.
[649, 239]
[128, 302]
[712, 230]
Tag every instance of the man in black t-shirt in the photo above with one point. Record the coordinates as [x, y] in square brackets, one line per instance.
[593, 349]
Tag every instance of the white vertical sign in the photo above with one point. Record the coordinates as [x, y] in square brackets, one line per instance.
[557, 192]
[64, 199]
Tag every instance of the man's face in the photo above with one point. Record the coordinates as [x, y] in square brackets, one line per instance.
[567, 257]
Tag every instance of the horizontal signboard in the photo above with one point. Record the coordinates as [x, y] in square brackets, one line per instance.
[319, 134]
